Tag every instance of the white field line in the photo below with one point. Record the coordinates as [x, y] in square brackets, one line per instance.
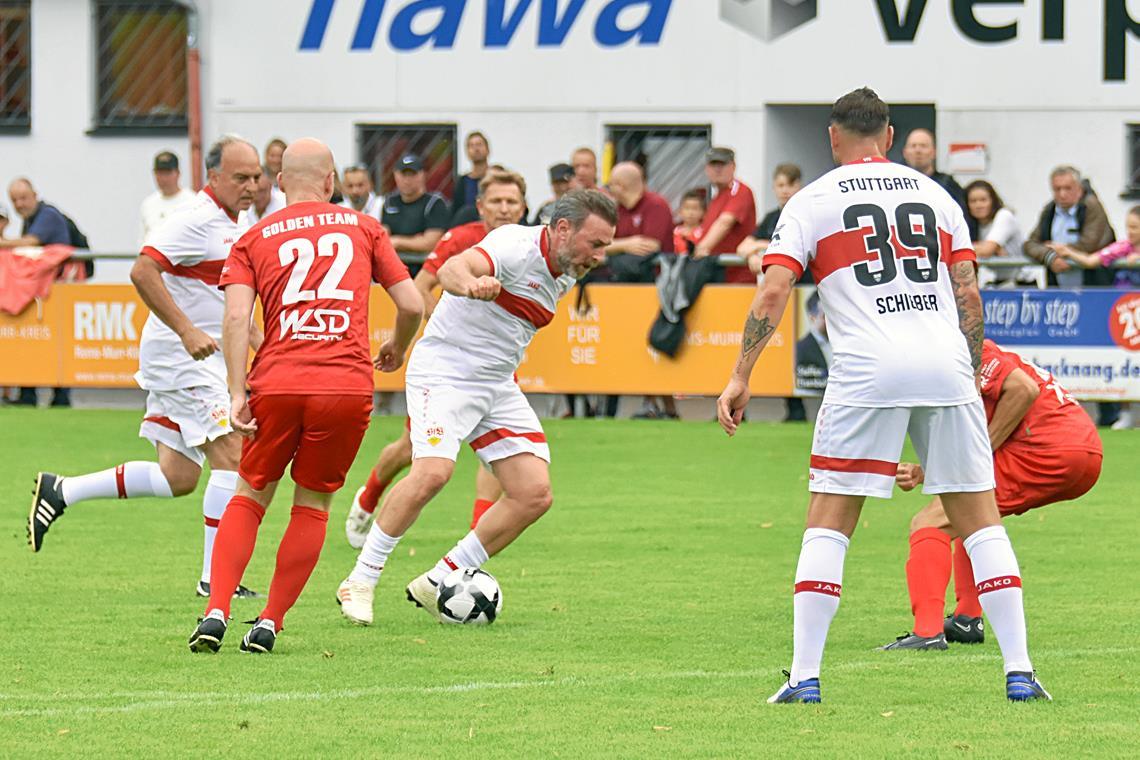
[144, 701]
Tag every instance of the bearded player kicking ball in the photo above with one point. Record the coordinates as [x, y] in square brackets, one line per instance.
[460, 387]
[1046, 449]
[312, 265]
[891, 256]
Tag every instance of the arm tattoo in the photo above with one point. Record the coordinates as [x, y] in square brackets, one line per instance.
[969, 303]
[755, 332]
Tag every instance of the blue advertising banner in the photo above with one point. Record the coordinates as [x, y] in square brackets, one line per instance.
[1088, 339]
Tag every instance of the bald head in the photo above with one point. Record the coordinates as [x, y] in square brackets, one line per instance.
[23, 197]
[627, 183]
[307, 170]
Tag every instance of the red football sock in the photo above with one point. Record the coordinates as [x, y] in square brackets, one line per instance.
[372, 492]
[296, 557]
[481, 506]
[233, 546]
[965, 590]
[927, 575]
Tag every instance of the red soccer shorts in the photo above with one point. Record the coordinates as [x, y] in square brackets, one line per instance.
[1033, 478]
[320, 434]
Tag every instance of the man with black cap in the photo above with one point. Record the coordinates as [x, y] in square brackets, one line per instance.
[166, 199]
[561, 182]
[731, 215]
[415, 218]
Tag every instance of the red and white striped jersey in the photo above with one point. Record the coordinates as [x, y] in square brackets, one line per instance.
[879, 238]
[191, 246]
[485, 340]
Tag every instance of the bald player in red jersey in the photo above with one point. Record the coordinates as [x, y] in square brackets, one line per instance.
[312, 265]
[1046, 450]
[501, 200]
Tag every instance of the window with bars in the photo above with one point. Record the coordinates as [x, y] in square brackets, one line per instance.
[141, 78]
[673, 156]
[1132, 189]
[15, 65]
[380, 146]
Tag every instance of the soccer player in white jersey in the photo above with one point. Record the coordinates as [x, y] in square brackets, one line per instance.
[180, 364]
[891, 256]
[460, 388]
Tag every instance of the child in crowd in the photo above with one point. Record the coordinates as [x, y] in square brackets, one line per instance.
[692, 212]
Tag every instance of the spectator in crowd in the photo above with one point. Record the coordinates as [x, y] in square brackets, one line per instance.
[561, 182]
[358, 192]
[920, 153]
[731, 215]
[786, 182]
[267, 199]
[3, 219]
[415, 218]
[644, 227]
[273, 152]
[691, 214]
[585, 163]
[463, 208]
[1073, 222]
[43, 224]
[166, 199]
[998, 234]
[1127, 250]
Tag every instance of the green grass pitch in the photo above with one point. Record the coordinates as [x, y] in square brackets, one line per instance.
[648, 615]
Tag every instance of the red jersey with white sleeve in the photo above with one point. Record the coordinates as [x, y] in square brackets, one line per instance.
[191, 246]
[454, 242]
[312, 265]
[1054, 421]
[879, 239]
[467, 339]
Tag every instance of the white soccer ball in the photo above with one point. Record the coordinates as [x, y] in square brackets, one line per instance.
[469, 596]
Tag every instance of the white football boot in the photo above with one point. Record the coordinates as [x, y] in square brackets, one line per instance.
[358, 523]
[355, 600]
[421, 592]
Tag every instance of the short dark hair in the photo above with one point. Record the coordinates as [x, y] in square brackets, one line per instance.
[790, 172]
[476, 133]
[995, 200]
[861, 112]
[577, 205]
[696, 194]
[1134, 211]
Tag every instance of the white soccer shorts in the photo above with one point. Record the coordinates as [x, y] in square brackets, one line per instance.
[186, 419]
[494, 418]
[856, 450]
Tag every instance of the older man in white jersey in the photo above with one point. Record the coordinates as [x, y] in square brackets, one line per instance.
[180, 365]
[460, 388]
[891, 256]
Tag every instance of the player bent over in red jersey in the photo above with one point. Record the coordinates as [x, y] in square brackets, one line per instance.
[502, 200]
[1046, 449]
[311, 264]
[460, 388]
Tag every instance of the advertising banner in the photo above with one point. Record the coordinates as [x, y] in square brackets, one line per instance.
[1088, 339]
[87, 335]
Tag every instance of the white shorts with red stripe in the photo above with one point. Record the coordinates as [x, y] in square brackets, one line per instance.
[494, 418]
[185, 420]
[856, 449]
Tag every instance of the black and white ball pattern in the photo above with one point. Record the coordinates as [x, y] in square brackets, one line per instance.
[469, 596]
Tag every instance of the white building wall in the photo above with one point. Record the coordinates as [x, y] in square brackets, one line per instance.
[1033, 103]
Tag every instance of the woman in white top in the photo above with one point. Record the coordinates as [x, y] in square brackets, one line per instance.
[998, 235]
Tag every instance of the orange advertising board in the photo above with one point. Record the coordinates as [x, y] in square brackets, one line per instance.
[87, 335]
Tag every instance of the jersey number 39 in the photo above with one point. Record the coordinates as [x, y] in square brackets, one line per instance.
[878, 241]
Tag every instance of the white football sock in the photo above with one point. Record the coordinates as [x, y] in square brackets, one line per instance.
[370, 562]
[819, 580]
[126, 481]
[219, 490]
[999, 591]
[469, 552]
